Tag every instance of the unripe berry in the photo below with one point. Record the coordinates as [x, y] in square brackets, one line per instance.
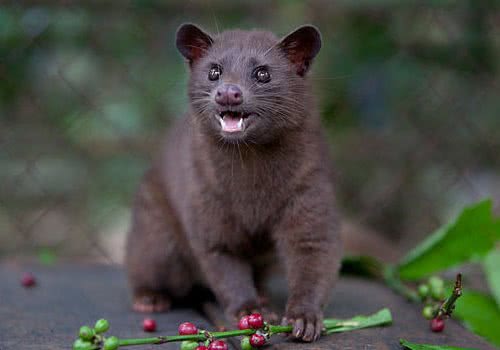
[257, 340]
[111, 343]
[437, 324]
[438, 294]
[80, 344]
[149, 325]
[189, 345]
[245, 344]
[187, 328]
[218, 345]
[428, 312]
[255, 321]
[423, 291]
[436, 285]
[101, 326]
[243, 323]
[86, 333]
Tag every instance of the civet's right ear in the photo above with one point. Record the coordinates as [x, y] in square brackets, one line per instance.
[192, 42]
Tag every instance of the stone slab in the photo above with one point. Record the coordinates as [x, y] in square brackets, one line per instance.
[67, 296]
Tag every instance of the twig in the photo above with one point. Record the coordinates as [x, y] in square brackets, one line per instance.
[447, 307]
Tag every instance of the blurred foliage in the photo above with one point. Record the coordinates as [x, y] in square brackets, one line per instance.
[480, 314]
[472, 236]
[408, 91]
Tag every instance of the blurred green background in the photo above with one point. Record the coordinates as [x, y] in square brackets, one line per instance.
[409, 93]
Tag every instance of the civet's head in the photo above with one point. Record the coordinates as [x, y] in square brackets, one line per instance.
[248, 85]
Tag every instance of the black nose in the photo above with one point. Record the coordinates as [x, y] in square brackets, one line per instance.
[229, 95]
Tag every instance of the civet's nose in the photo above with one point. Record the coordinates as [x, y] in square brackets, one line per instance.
[229, 95]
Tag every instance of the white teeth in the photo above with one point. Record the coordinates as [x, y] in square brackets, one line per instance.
[221, 121]
[230, 127]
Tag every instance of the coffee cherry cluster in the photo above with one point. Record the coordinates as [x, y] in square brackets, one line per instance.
[253, 321]
[89, 337]
[432, 294]
[187, 328]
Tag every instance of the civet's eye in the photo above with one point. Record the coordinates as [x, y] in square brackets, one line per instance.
[262, 75]
[215, 72]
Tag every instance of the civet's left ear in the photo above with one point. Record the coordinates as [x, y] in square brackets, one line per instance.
[301, 46]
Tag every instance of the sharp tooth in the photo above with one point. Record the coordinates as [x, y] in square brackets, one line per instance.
[240, 124]
[221, 121]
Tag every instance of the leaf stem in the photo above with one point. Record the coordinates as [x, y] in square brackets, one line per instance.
[392, 280]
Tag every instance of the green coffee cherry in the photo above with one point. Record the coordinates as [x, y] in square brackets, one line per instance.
[423, 291]
[428, 312]
[86, 333]
[436, 286]
[101, 326]
[245, 344]
[111, 343]
[80, 344]
[189, 345]
[438, 294]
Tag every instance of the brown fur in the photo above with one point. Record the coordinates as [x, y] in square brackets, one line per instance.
[213, 207]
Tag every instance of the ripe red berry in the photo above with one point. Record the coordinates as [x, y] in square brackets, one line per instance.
[201, 347]
[243, 324]
[218, 345]
[257, 340]
[149, 325]
[437, 324]
[187, 328]
[255, 321]
[28, 280]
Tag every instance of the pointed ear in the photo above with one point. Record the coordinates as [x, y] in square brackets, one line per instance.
[192, 42]
[301, 46]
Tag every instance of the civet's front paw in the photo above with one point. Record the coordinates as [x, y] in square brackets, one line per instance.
[307, 322]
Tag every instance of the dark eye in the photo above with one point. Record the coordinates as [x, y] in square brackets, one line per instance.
[215, 72]
[262, 75]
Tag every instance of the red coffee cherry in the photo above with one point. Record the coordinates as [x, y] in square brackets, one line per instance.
[201, 347]
[28, 280]
[257, 340]
[218, 345]
[256, 321]
[243, 323]
[437, 324]
[187, 328]
[149, 325]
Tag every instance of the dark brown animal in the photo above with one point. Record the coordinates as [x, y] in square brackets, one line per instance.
[243, 176]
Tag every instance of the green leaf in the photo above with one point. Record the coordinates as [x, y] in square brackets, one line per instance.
[380, 318]
[491, 266]
[414, 346]
[471, 236]
[480, 314]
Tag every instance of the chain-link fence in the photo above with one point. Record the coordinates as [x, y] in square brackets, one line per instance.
[409, 94]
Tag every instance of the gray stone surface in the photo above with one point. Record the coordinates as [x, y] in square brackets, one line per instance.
[49, 315]
[68, 296]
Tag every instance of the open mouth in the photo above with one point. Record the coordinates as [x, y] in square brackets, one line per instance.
[231, 121]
